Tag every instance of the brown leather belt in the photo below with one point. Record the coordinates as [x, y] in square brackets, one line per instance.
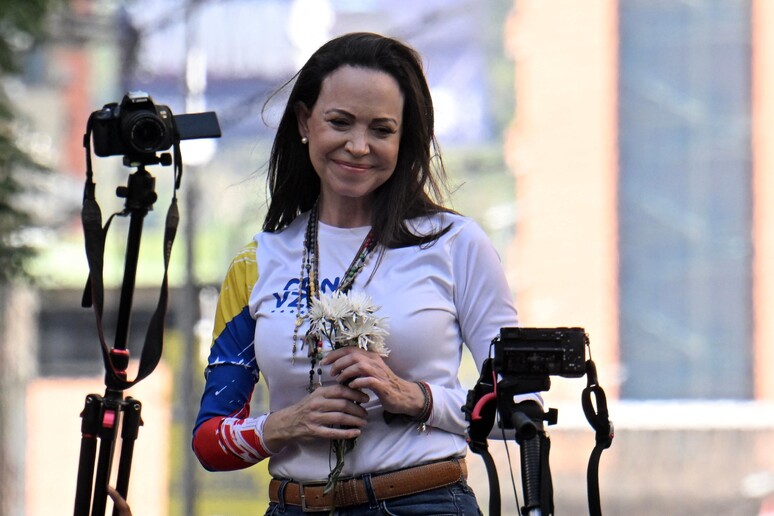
[352, 491]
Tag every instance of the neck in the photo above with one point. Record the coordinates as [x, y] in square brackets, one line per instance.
[350, 215]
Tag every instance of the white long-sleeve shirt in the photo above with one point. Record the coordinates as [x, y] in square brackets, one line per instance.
[436, 299]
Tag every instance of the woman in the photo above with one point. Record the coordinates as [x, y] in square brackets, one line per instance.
[355, 207]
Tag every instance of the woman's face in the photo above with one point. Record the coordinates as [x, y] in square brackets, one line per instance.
[354, 132]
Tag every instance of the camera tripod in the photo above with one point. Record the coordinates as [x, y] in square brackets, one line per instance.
[527, 418]
[490, 398]
[103, 416]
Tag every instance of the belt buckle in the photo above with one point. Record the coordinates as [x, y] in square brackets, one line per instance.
[304, 507]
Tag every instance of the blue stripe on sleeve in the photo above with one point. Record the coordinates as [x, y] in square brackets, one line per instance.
[232, 371]
[228, 390]
[234, 345]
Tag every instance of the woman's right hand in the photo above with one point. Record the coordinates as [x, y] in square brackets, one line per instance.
[119, 504]
[328, 412]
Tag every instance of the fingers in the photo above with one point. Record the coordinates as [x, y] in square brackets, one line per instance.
[331, 411]
[362, 369]
[339, 427]
[336, 354]
[118, 502]
[337, 398]
[352, 362]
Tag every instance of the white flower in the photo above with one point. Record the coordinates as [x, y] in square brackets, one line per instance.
[367, 333]
[329, 308]
[347, 320]
[344, 320]
[361, 304]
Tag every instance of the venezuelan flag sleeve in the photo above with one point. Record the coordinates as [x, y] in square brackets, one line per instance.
[231, 372]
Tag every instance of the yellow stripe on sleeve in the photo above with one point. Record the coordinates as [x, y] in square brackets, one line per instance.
[236, 288]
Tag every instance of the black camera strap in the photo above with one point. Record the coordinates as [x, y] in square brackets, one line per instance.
[480, 410]
[600, 421]
[94, 236]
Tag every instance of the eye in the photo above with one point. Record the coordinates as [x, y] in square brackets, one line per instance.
[339, 122]
[384, 131]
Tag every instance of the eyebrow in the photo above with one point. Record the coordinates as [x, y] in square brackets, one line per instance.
[347, 113]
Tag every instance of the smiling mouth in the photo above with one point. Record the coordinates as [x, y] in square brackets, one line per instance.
[359, 167]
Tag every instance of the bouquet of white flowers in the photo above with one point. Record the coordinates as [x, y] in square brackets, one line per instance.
[344, 320]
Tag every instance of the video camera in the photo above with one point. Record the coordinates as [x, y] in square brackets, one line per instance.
[137, 127]
[529, 352]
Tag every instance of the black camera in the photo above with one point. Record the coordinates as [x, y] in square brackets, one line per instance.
[138, 127]
[530, 352]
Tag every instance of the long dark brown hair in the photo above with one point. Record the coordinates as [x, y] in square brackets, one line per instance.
[418, 185]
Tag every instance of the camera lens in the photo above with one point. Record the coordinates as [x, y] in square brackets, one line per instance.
[145, 132]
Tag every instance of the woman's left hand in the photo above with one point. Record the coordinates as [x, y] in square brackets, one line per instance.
[360, 369]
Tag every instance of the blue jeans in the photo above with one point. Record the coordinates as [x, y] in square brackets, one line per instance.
[452, 500]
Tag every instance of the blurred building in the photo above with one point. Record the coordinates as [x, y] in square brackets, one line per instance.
[644, 185]
[640, 150]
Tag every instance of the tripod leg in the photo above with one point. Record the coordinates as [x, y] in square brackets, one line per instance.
[131, 422]
[536, 476]
[531, 474]
[89, 429]
[110, 421]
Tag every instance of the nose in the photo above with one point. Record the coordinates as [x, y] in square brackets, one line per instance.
[357, 143]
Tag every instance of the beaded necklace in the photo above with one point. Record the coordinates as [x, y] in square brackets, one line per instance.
[310, 271]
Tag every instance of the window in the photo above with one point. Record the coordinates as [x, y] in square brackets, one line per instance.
[685, 199]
